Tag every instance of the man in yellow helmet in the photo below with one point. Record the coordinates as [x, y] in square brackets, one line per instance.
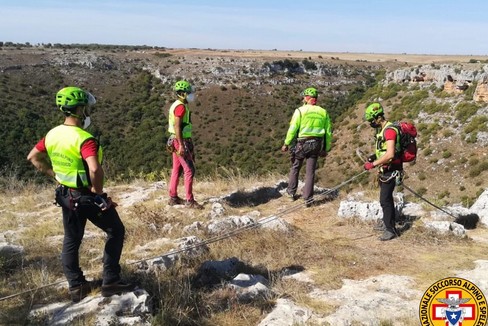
[181, 144]
[75, 163]
[390, 165]
[310, 126]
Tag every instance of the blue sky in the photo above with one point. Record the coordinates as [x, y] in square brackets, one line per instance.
[379, 26]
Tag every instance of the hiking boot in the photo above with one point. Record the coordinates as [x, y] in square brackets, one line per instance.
[118, 287]
[193, 204]
[79, 292]
[175, 201]
[388, 235]
[380, 226]
[291, 197]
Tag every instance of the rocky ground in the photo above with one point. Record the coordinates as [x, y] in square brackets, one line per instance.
[380, 282]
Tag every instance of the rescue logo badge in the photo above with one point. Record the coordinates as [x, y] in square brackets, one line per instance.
[453, 301]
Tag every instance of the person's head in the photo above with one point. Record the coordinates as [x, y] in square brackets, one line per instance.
[74, 102]
[310, 95]
[183, 90]
[374, 114]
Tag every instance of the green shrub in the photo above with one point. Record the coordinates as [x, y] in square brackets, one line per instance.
[477, 123]
[473, 161]
[467, 201]
[465, 110]
[468, 94]
[447, 133]
[421, 191]
[443, 194]
[427, 151]
[446, 154]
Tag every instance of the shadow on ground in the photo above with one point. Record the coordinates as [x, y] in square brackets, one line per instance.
[255, 197]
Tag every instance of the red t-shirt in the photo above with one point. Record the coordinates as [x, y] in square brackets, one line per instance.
[390, 134]
[88, 148]
[180, 111]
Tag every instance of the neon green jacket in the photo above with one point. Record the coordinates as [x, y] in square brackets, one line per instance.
[63, 144]
[310, 121]
[186, 127]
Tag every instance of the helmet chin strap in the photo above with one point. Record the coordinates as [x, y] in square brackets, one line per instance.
[85, 119]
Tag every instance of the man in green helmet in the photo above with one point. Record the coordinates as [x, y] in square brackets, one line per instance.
[390, 165]
[181, 144]
[310, 126]
[72, 156]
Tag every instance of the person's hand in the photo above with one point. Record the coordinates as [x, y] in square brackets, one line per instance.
[181, 151]
[323, 153]
[368, 165]
[284, 148]
[111, 202]
[103, 201]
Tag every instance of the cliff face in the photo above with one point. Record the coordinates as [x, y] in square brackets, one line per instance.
[481, 92]
[454, 78]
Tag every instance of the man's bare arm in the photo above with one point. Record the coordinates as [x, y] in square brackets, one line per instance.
[40, 161]
[96, 174]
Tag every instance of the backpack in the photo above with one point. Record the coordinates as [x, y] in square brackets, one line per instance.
[408, 141]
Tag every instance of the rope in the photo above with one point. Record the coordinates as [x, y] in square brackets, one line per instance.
[224, 236]
[260, 222]
[428, 202]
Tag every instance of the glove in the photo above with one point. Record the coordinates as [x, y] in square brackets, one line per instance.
[371, 158]
[368, 165]
[102, 201]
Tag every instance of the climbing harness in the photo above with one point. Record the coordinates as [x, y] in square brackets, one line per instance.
[397, 175]
[224, 236]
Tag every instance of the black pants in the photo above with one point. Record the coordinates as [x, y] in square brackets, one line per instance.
[386, 201]
[77, 209]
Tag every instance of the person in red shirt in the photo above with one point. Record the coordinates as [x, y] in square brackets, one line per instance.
[72, 156]
[180, 144]
[387, 159]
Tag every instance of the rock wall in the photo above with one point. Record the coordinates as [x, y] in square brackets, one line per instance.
[481, 92]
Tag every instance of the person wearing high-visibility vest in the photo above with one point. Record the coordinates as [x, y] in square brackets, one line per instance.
[390, 165]
[310, 126]
[181, 145]
[72, 156]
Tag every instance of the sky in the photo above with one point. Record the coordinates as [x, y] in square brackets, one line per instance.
[363, 26]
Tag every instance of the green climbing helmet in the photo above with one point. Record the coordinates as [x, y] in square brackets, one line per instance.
[71, 97]
[310, 92]
[372, 111]
[182, 86]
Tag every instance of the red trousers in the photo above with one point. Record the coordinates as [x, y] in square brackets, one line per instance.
[186, 165]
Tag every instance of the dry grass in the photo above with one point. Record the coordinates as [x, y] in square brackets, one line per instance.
[330, 249]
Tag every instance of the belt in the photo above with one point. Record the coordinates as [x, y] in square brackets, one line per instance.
[310, 137]
[82, 191]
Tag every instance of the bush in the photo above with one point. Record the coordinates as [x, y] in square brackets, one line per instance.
[446, 154]
[427, 151]
[443, 194]
[465, 110]
[421, 191]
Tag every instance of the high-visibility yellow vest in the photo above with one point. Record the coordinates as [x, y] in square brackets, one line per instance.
[381, 142]
[63, 144]
[310, 121]
[186, 121]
